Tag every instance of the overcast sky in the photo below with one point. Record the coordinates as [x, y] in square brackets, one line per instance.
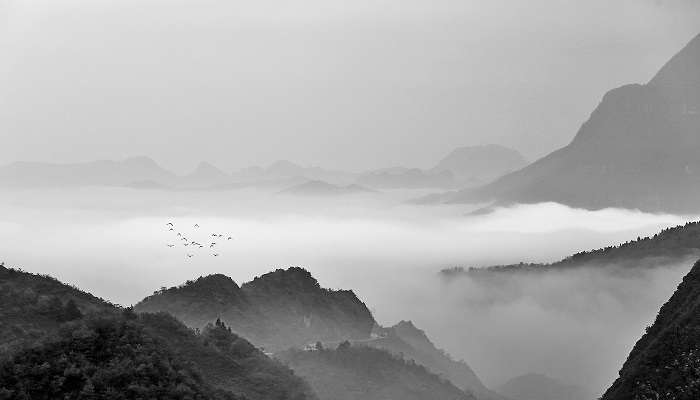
[342, 84]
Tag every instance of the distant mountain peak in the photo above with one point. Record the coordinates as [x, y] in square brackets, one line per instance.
[206, 169]
[486, 162]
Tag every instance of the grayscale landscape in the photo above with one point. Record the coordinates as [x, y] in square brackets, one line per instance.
[350, 200]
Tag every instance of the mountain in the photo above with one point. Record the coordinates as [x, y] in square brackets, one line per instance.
[103, 172]
[541, 387]
[413, 344]
[665, 362]
[320, 188]
[666, 247]
[205, 175]
[483, 163]
[284, 169]
[363, 373]
[57, 341]
[410, 179]
[277, 310]
[638, 149]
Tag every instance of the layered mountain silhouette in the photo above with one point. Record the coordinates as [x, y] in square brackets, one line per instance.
[144, 173]
[480, 163]
[277, 310]
[288, 308]
[665, 362]
[58, 341]
[639, 149]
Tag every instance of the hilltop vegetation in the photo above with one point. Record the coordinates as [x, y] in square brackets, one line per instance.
[665, 362]
[103, 357]
[364, 373]
[277, 310]
[61, 342]
[669, 245]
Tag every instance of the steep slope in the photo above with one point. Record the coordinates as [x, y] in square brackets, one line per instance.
[665, 362]
[484, 163]
[666, 247]
[99, 344]
[32, 306]
[637, 150]
[365, 373]
[404, 338]
[280, 309]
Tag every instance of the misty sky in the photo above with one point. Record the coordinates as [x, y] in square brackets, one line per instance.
[341, 84]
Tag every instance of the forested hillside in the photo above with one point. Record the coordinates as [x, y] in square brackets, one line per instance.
[277, 310]
[668, 246]
[61, 342]
[665, 362]
[364, 373]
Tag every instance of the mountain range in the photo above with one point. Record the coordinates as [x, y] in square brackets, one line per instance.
[99, 345]
[459, 169]
[639, 150]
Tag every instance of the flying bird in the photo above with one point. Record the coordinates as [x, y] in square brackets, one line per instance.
[186, 244]
[196, 226]
[171, 245]
[229, 238]
[216, 255]
[169, 223]
[170, 229]
[179, 234]
[189, 255]
[213, 234]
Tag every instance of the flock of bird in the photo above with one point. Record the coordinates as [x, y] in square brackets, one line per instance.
[182, 240]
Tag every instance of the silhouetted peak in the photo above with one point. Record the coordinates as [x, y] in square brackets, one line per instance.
[407, 330]
[217, 285]
[681, 70]
[293, 277]
[206, 169]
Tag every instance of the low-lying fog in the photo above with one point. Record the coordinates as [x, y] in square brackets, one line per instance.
[577, 326]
